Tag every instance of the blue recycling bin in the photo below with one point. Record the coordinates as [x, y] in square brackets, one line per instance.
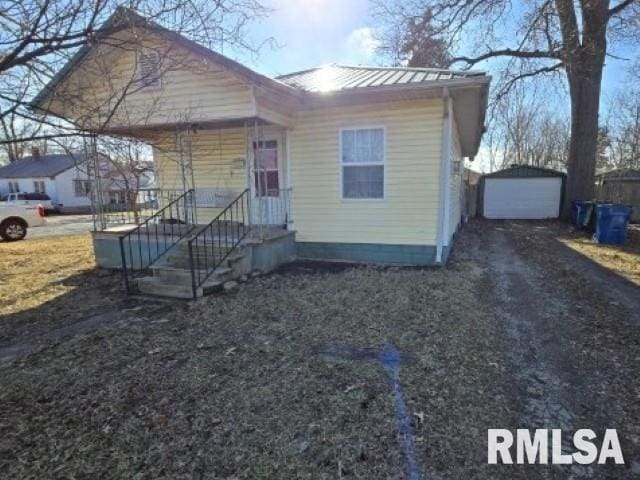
[581, 212]
[611, 223]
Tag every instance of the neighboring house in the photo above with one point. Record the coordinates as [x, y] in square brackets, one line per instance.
[60, 176]
[115, 181]
[621, 186]
[363, 163]
[65, 179]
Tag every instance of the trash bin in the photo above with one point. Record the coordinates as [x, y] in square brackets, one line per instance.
[581, 213]
[611, 223]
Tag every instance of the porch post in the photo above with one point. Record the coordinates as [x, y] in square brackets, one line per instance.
[183, 146]
[259, 194]
[97, 200]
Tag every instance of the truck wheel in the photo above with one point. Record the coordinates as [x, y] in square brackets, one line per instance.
[12, 230]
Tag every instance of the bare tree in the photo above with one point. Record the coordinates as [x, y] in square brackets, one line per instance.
[39, 36]
[624, 130]
[539, 37]
[525, 131]
[413, 41]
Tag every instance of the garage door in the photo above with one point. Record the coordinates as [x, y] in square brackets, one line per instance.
[526, 198]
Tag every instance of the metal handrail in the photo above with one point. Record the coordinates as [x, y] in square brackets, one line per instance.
[212, 244]
[180, 211]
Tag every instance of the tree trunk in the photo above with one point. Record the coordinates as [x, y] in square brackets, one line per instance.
[584, 63]
[583, 145]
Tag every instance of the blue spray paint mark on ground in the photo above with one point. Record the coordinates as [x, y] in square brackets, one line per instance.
[389, 358]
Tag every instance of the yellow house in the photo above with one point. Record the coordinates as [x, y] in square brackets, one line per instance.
[361, 163]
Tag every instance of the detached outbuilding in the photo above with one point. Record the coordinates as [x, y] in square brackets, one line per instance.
[521, 192]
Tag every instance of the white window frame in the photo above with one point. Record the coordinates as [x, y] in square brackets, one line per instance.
[383, 164]
[264, 140]
[142, 83]
[84, 192]
[14, 186]
[39, 186]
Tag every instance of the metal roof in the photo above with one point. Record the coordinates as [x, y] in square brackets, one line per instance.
[41, 166]
[515, 171]
[524, 171]
[621, 175]
[331, 78]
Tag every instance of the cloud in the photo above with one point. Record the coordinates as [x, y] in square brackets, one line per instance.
[362, 45]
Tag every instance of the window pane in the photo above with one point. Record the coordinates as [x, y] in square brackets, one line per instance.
[272, 184]
[363, 182]
[268, 159]
[348, 146]
[267, 184]
[363, 146]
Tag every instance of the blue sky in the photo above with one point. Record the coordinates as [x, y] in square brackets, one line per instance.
[317, 32]
[312, 33]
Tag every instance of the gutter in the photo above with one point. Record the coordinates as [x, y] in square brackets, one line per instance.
[445, 178]
[314, 98]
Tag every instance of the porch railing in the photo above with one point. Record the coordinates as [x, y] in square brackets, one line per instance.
[273, 208]
[214, 242]
[130, 207]
[152, 238]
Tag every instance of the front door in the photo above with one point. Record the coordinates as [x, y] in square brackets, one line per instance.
[268, 207]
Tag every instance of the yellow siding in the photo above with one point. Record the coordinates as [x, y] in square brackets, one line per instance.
[216, 163]
[193, 89]
[409, 213]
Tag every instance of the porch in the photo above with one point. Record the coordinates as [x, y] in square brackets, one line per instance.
[171, 254]
[221, 191]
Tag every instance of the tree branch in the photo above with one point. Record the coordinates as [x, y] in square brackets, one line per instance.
[508, 52]
[621, 6]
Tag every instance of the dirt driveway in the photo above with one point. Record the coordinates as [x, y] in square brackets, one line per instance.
[288, 376]
[569, 331]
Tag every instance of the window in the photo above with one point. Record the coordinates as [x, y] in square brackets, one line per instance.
[81, 188]
[149, 69]
[39, 187]
[14, 187]
[362, 162]
[266, 169]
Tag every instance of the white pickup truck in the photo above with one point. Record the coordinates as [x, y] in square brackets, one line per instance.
[15, 219]
[22, 198]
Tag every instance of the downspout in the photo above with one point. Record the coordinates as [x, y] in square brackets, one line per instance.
[445, 179]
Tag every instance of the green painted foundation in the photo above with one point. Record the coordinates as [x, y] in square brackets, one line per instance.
[370, 253]
[271, 253]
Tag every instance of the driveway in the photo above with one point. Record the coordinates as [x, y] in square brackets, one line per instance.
[62, 225]
[312, 371]
[569, 332]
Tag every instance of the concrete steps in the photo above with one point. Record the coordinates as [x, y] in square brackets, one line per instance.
[171, 275]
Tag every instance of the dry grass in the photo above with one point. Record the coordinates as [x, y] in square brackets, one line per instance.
[48, 282]
[33, 271]
[234, 387]
[624, 260]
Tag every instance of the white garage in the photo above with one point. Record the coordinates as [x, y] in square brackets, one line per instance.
[522, 192]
